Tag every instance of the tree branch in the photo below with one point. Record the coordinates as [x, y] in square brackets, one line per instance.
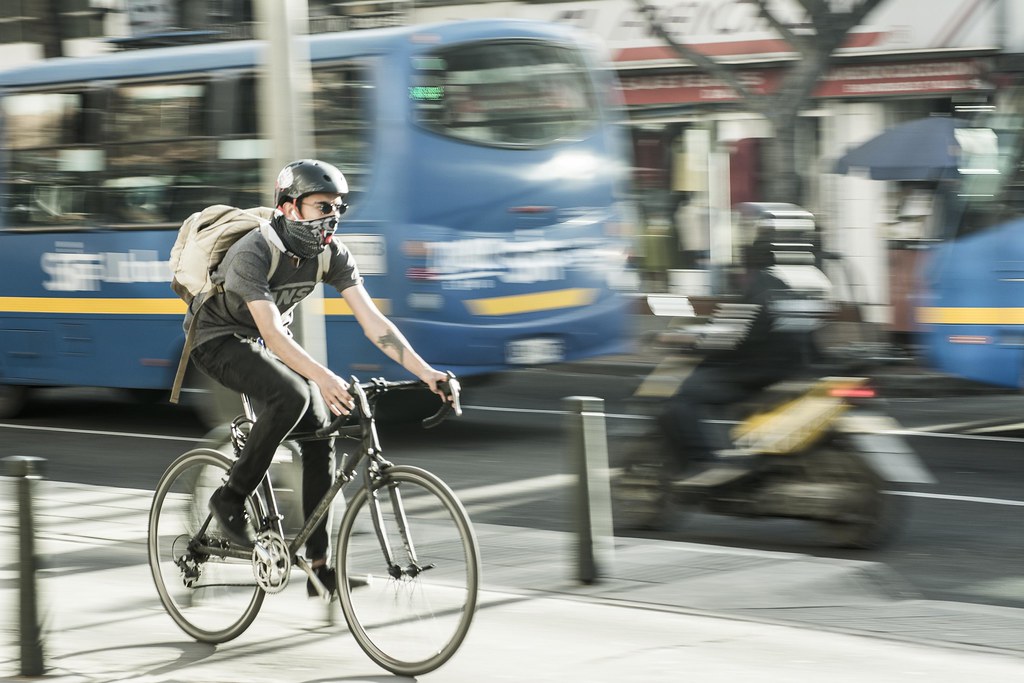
[798, 42]
[650, 13]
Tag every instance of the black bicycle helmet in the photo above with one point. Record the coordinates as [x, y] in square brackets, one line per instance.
[308, 176]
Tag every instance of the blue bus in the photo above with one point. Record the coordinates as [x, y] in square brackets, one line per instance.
[488, 170]
[970, 306]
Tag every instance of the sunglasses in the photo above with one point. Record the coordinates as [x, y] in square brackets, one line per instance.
[327, 208]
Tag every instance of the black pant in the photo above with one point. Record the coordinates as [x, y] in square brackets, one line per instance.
[703, 397]
[284, 400]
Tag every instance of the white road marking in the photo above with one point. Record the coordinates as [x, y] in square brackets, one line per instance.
[966, 499]
[96, 432]
[549, 482]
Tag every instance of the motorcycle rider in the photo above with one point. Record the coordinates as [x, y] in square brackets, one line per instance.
[765, 338]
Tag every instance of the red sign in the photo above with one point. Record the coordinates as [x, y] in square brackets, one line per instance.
[908, 78]
[870, 80]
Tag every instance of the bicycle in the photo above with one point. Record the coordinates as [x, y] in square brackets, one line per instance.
[409, 610]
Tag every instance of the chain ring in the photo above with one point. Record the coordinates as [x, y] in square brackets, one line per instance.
[271, 562]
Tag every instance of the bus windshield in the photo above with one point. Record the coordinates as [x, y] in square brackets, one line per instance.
[503, 93]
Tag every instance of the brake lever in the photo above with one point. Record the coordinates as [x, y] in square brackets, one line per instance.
[453, 390]
[336, 423]
[364, 402]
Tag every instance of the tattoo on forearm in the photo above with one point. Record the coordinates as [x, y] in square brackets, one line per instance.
[390, 339]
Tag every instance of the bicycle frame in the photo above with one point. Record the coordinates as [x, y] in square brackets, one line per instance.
[213, 589]
[369, 453]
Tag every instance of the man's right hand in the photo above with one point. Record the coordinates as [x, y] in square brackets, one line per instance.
[335, 392]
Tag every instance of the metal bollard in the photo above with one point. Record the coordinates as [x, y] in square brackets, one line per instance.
[25, 469]
[588, 452]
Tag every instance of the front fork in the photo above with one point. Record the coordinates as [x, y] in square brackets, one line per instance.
[379, 481]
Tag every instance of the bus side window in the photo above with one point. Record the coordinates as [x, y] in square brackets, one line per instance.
[341, 104]
[53, 159]
[160, 155]
[235, 120]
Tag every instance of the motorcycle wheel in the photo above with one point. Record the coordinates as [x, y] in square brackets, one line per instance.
[877, 516]
[640, 492]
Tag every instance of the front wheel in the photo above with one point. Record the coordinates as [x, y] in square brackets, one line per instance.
[409, 571]
[641, 500]
[206, 586]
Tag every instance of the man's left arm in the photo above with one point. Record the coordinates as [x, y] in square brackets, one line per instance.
[386, 337]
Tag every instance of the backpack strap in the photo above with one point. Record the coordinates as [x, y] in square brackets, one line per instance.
[275, 258]
[186, 350]
[323, 264]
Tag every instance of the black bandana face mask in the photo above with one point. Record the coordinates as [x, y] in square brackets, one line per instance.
[306, 239]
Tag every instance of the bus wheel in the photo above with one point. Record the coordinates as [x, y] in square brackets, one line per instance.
[13, 398]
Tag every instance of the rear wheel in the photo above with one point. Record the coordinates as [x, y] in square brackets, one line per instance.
[412, 616]
[873, 517]
[207, 587]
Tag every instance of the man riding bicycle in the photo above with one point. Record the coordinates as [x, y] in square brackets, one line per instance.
[243, 341]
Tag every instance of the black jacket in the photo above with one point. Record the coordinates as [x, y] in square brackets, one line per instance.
[764, 338]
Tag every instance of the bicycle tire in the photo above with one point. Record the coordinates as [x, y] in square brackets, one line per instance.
[409, 625]
[224, 598]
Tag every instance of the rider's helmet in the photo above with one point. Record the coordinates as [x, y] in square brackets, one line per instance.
[308, 176]
[307, 238]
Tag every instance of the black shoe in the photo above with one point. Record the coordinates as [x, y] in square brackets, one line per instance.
[327, 577]
[232, 518]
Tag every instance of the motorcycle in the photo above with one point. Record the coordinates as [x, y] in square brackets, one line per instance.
[803, 449]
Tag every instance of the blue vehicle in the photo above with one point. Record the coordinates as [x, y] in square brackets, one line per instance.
[488, 208]
[971, 304]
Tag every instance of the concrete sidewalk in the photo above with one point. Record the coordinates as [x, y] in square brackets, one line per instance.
[664, 611]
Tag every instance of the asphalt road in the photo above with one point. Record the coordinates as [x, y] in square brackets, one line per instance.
[508, 459]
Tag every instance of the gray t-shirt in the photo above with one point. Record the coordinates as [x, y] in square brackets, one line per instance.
[243, 272]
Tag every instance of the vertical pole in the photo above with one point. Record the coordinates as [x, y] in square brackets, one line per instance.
[588, 453]
[286, 85]
[26, 469]
[286, 115]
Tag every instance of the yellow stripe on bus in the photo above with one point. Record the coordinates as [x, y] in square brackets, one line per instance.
[530, 303]
[166, 306]
[340, 307]
[970, 316]
[95, 306]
